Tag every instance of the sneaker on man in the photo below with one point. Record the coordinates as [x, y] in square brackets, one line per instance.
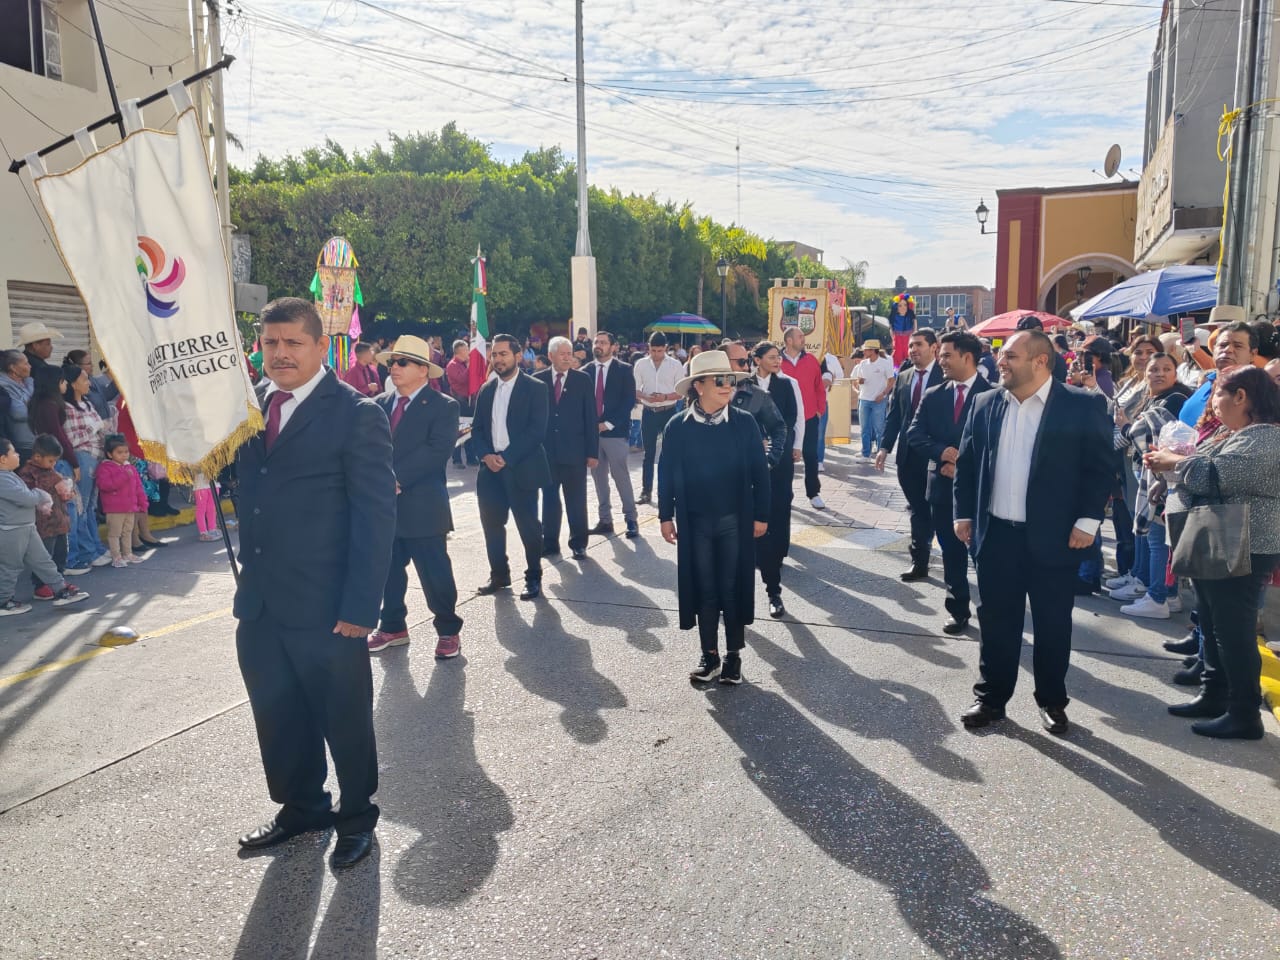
[76, 571]
[448, 647]
[43, 592]
[707, 667]
[11, 608]
[820, 467]
[1147, 608]
[381, 639]
[1174, 604]
[817, 503]
[1125, 580]
[101, 561]
[1132, 592]
[69, 594]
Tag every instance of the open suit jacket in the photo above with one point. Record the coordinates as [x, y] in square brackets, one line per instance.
[898, 419]
[1070, 476]
[526, 430]
[423, 441]
[935, 428]
[619, 397]
[572, 436]
[318, 513]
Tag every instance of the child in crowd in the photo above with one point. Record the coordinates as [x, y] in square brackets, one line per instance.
[206, 507]
[20, 545]
[39, 474]
[121, 494]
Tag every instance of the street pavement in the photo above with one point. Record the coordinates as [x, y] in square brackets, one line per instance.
[563, 791]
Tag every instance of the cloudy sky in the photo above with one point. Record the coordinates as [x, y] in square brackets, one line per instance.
[870, 130]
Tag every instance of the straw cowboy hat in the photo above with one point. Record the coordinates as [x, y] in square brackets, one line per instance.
[33, 333]
[871, 345]
[1227, 313]
[412, 348]
[709, 363]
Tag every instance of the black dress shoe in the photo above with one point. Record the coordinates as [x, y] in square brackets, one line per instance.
[149, 544]
[579, 553]
[1185, 647]
[1054, 719]
[633, 529]
[1231, 727]
[1190, 677]
[1201, 707]
[980, 714]
[645, 499]
[532, 590]
[1087, 588]
[271, 833]
[915, 574]
[955, 626]
[493, 586]
[1190, 661]
[350, 849]
[602, 529]
[776, 609]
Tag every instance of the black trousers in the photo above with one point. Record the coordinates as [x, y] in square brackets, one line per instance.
[499, 496]
[309, 687]
[773, 547]
[1008, 575]
[913, 478]
[1228, 614]
[652, 423]
[430, 556]
[955, 559]
[812, 441]
[569, 480]
[716, 553]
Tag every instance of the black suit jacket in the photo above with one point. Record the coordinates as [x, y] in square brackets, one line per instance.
[935, 428]
[1070, 474]
[423, 442]
[318, 513]
[526, 430]
[572, 435]
[898, 420]
[619, 396]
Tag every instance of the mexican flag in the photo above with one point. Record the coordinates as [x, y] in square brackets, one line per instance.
[478, 366]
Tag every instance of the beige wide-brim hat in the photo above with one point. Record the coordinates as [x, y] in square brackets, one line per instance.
[33, 333]
[1226, 313]
[709, 363]
[414, 348]
[870, 344]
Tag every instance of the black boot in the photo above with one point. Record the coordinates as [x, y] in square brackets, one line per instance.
[1236, 725]
[1203, 706]
[1190, 677]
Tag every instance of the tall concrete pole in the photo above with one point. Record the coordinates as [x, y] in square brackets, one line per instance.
[583, 265]
[1239, 218]
[219, 127]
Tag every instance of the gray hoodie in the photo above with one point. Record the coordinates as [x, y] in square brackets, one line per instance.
[19, 392]
[17, 501]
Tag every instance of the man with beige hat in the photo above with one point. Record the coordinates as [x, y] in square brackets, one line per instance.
[36, 341]
[875, 376]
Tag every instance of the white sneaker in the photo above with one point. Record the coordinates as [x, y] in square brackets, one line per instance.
[820, 470]
[76, 571]
[1174, 604]
[1131, 592]
[101, 561]
[1147, 608]
[817, 503]
[1125, 580]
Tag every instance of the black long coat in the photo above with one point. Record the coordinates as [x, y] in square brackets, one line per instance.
[752, 498]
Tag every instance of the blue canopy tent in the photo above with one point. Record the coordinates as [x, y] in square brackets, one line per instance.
[682, 324]
[1154, 296]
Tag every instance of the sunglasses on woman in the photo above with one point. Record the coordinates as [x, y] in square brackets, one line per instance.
[405, 362]
[721, 380]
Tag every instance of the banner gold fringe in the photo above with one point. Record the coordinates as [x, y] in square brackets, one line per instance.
[220, 457]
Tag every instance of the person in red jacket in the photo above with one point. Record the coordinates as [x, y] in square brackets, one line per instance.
[804, 368]
[363, 374]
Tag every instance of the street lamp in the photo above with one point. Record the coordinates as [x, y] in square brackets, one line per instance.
[1082, 280]
[982, 213]
[722, 269]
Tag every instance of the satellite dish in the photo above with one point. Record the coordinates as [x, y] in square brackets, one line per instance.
[1112, 163]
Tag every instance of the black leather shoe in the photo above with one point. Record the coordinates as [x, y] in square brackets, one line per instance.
[1201, 707]
[1184, 648]
[645, 499]
[1231, 727]
[1190, 661]
[1087, 588]
[493, 586]
[980, 714]
[532, 590]
[270, 834]
[579, 553]
[350, 849]
[602, 530]
[1054, 719]
[915, 574]
[955, 626]
[633, 529]
[1190, 677]
[776, 609]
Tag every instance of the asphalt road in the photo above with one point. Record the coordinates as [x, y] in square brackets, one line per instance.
[562, 790]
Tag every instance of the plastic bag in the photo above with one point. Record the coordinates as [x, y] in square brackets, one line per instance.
[1177, 437]
[45, 505]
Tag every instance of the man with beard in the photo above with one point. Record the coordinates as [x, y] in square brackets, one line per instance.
[614, 386]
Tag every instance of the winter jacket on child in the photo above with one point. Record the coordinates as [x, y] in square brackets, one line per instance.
[120, 488]
[57, 521]
[18, 502]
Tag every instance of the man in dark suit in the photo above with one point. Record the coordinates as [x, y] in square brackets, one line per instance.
[913, 472]
[614, 388]
[572, 447]
[424, 429]
[934, 436]
[1031, 483]
[509, 428]
[317, 517]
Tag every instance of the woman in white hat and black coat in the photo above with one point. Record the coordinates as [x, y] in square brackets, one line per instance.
[713, 491]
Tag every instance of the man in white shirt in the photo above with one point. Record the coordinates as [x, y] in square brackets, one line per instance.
[831, 372]
[656, 377]
[875, 376]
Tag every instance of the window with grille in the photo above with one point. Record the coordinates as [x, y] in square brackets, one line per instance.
[30, 39]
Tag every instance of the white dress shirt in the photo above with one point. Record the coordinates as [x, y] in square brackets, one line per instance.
[763, 380]
[831, 369]
[501, 402]
[299, 395]
[595, 378]
[653, 379]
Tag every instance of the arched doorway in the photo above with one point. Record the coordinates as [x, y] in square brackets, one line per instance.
[1061, 289]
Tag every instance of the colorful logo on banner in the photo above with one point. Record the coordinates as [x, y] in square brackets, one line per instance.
[161, 286]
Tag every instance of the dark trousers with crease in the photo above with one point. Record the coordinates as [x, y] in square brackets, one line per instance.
[571, 478]
[955, 558]
[307, 688]
[430, 557]
[498, 496]
[1009, 576]
[652, 423]
[813, 439]
[1228, 614]
[715, 573]
[913, 479]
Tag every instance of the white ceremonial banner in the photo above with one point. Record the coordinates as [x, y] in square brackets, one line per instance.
[137, 226]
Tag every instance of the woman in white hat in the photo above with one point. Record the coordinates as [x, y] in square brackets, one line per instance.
[713, 501]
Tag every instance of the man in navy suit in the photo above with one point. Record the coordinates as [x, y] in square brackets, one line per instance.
[317, 517]
[934, 436]
[509, 427]
[614, 386]
[1032, 479]
[424, 431]
[572, 447]
[913, 473]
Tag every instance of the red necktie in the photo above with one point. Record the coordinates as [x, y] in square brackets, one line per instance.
[398, 412]
[278, 400]
[915, 391]
[959, 401]
[559, 386]
[600, 391]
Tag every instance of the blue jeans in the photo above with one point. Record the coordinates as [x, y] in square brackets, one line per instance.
[822, 436]
[1150, 560]
[84, 544]
[73, 515]
[871, 423]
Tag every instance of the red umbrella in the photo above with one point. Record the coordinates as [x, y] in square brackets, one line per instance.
[1006, 324]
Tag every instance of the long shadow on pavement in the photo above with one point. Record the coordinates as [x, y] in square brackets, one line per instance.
[608, 607]
[288, 899]
[350, 927]
[866, 824]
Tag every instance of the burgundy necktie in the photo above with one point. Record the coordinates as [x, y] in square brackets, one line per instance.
[959, 401]
[278, 400]
[559, 386]
[600, 391]
[915, 391]
[398, 412]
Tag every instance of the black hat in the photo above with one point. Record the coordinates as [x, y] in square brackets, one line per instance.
[1030, 322]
